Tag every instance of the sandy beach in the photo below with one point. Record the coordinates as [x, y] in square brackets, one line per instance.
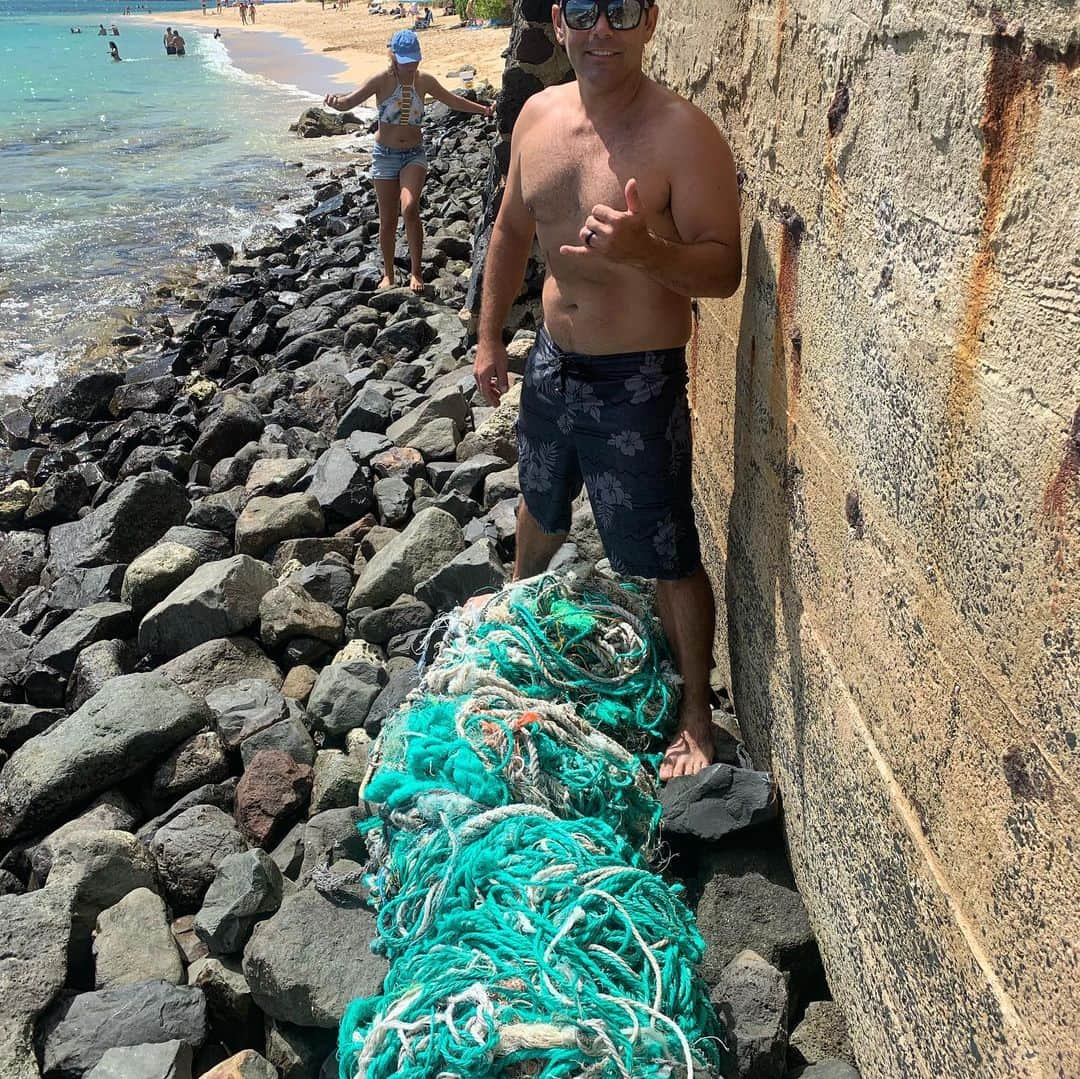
[358, 40]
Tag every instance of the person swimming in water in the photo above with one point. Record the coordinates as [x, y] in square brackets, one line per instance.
[179, 43]
[398, 158]
[114, 52]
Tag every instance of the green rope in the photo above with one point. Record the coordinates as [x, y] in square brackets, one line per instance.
[524, 931]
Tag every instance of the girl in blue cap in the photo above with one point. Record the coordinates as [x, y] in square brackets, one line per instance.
[399, 161]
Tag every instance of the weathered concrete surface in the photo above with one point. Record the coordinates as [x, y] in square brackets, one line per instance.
[887, 419]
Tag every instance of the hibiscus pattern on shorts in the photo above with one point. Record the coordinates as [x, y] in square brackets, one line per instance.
[627, 442]
[581, 400]
[606, 493]
[648, 383]
[536, 463]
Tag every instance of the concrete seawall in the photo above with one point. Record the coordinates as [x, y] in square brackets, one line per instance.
[887, 423]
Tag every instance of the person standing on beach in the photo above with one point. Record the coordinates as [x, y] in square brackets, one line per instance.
[398, 158]
[632, 193]
[243, 12]
[251, 12]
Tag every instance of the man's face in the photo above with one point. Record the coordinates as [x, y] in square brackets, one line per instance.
[602, 55]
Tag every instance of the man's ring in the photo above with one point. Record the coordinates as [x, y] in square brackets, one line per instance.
[589, 234]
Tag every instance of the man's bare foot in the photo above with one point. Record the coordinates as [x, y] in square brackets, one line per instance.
[415, 283]
[692, 747]
[385, 282]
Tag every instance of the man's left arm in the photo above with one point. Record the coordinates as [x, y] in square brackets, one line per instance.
[707, 260]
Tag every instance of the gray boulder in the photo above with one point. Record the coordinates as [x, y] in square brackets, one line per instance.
[437, 440]
[22, 558]
[235, 423]
[136, 515]
[748, 899]
[188, 851]
[336, 782]
[247, 888]
[156, 572]
[497, 434]
[132, 720]
[166, 1060]
[210, 546]
[59, 647]
[343, 695]
[821, 1035]
[340, 485]
[328, 582]
[35, 935]
[96, 664]
[216, 664]
[275, 476]
[194, 763]
[101, 867]
[246, 707]
[265, 521]
[217, 600]
[289, 736]
[432, 538]
[133, 943]
[751, 998]
[477, 569]
[405, 614]
[288, 611]
[234, 1019]
[393, 501]
[85, 1027]
[719, 801]
[468, 478]
[448, 402]
[312, 958]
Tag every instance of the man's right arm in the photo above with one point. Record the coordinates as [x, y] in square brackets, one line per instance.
[504, 268]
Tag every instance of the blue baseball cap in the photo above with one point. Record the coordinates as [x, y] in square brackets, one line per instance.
[405, 46]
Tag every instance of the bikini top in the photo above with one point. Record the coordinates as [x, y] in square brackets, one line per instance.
[403, 106]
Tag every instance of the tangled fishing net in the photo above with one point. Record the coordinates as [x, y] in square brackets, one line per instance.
[525, 932]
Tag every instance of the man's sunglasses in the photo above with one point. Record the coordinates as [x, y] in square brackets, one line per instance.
[620, 14]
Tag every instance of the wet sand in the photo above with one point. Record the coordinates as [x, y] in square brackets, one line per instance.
[353, 38]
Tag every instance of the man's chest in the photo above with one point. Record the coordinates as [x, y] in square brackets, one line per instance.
[564, 176]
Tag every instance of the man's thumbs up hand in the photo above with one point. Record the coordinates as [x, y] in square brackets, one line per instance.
[619, 235]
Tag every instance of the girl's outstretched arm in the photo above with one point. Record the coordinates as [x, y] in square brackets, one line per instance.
[431, 85]
[344, 102]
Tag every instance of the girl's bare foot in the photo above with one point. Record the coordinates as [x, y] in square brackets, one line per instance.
[692, 747]
[415, 283]
[385, 282]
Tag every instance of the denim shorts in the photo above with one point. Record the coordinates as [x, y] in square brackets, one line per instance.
[387, 163]
[620, 424]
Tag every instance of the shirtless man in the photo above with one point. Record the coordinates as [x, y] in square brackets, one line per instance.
[632, 193]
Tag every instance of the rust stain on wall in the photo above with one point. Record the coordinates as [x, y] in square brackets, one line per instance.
[1065, 485]
[1009, 118]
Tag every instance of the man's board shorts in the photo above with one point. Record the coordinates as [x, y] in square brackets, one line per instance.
[620, 424]
[387, 163]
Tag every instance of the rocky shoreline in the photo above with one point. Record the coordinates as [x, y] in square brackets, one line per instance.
[219, 569]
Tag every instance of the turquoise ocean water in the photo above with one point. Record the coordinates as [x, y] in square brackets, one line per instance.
[113, 175]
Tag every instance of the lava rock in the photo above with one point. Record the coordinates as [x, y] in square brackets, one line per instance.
[219, 663]
[195, 763]
[477, 569]
[751, 999]
[718, 801]
[309, 961]
[188, 851]
[82, 1029]
[132, 720]
[22, 558]
[235, 423]
[137, 513]
[248, 887]
[271, 795]
[432, 538]
[156, 572]
[266, 521]
[288, 611]
[133, 943]
[343, 695]
[165, 1060]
